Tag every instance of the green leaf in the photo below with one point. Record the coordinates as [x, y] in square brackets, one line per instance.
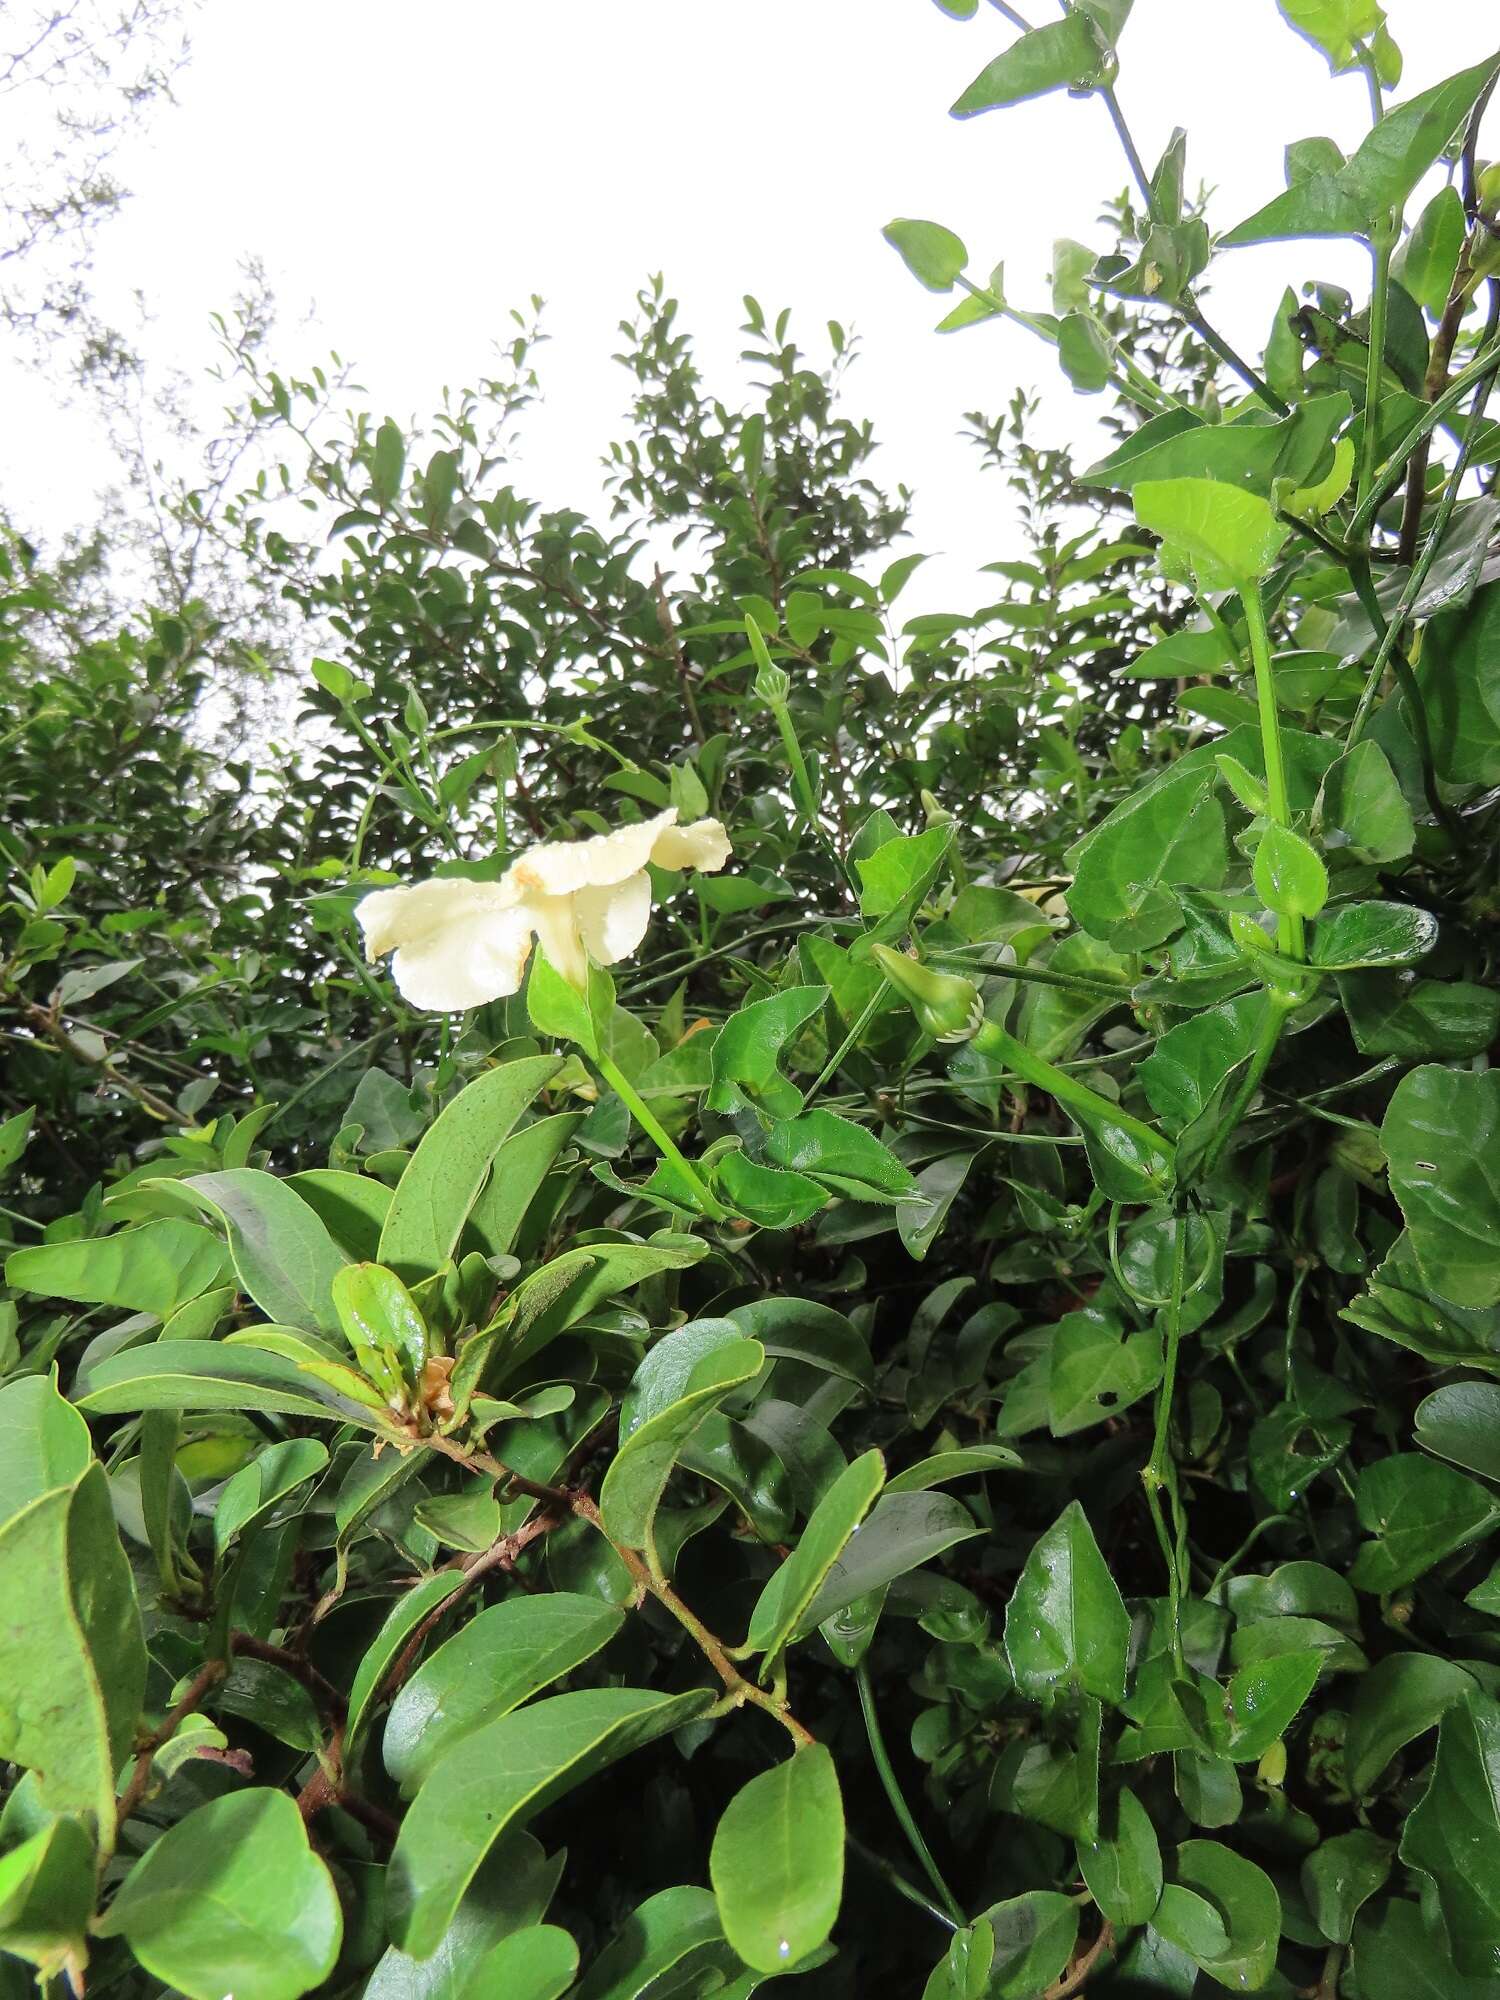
[673, 1938]
[1461, 1422]
[283, 1256]
[14, 1133]
[555, 1006]
[1084, 353]
[1390, 162]
[535, 1964]
[216, 1375]
[155, 1268]
[1356, 936]
[1263, 1699]
[839, 1155]
[1167, 833]
[1034, 1939]
[1419, 1511]
[1290, 878]
[351, 1207]
[767, 1195]
[1427, 261]
[777, 1861]
[1341, 1876]
[1398, 1955]
[47, 1886]
[749, 1046]
[73, 1666]
[232, 1899]
[1398, 1700]
[260, 1487]
[1458, 676]
[387, 463]
[784, 1601]
[898, 876]
[1063, 54]
[1253, 456]
[687, 1374]
[1362, 808]
[803, 1330]
[447, 1172]
[1227, 537]
[502, 1657]
[381, 1324]
[497, 1778]
[44, 1443]
[406, 1614]
[509, 1894]
[1334, 26]
[1096, 1371]
[1441, 1135]
[1066, 1627]
[1245, 1898]
[933, 255]
[903, 1531]
[1392, 1015]
[1454, 1834]
[522, 1163]
[1122, 1867]
[964, 1463]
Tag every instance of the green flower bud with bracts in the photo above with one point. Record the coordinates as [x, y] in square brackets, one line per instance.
[947, 1008]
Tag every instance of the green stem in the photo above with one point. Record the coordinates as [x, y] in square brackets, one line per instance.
[1289, 933]
[1036, 975]
[866, 1015]
[1277, 1010]
[626, 1091]
[893, 1792]
[1392, 472]
[1158, 1473]
[1374, 366]
[900, 1884]
[992, 1040]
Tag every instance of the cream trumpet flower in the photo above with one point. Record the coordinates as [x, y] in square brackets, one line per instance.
[459, 943]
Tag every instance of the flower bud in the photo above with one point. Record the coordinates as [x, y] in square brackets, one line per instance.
[947, 1008]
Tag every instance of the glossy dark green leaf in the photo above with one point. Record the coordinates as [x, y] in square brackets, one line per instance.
[1245, 1898]
[1396, 1014]
[1096, 1369]
[903, 1531]
[1066, 1626]
[1122, 1867]
[804, 1330]
[232, 1899]
[501, 1775]
[1362, 810]
[510, 1893]
[966, 1462]
[783, 1604]
[1419, 1511]
[841, 1155]
[749, 1047]
[1400, 1698]
[1355, 936]
[1399, 1955]
[419, 1602]
[261, 1486]
[1461, 1422]
[1441, 1135]
[1342, 1876]
[673, 1938]
[1454, 1834]
[777, 1861]
[213, 1375]
[1034, 1939]
[500, 1658]
[683, 1379]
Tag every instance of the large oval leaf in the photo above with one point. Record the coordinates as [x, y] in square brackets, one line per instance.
[500, 1776]
[777, 1862]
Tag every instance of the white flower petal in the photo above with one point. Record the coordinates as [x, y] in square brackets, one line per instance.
[392, 917]
[559, 867]
[703, 845]
[467, 964]
[613, 921]
[457, 943]
[555, 921]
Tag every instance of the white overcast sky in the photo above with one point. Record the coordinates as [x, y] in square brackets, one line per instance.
[408, 169]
